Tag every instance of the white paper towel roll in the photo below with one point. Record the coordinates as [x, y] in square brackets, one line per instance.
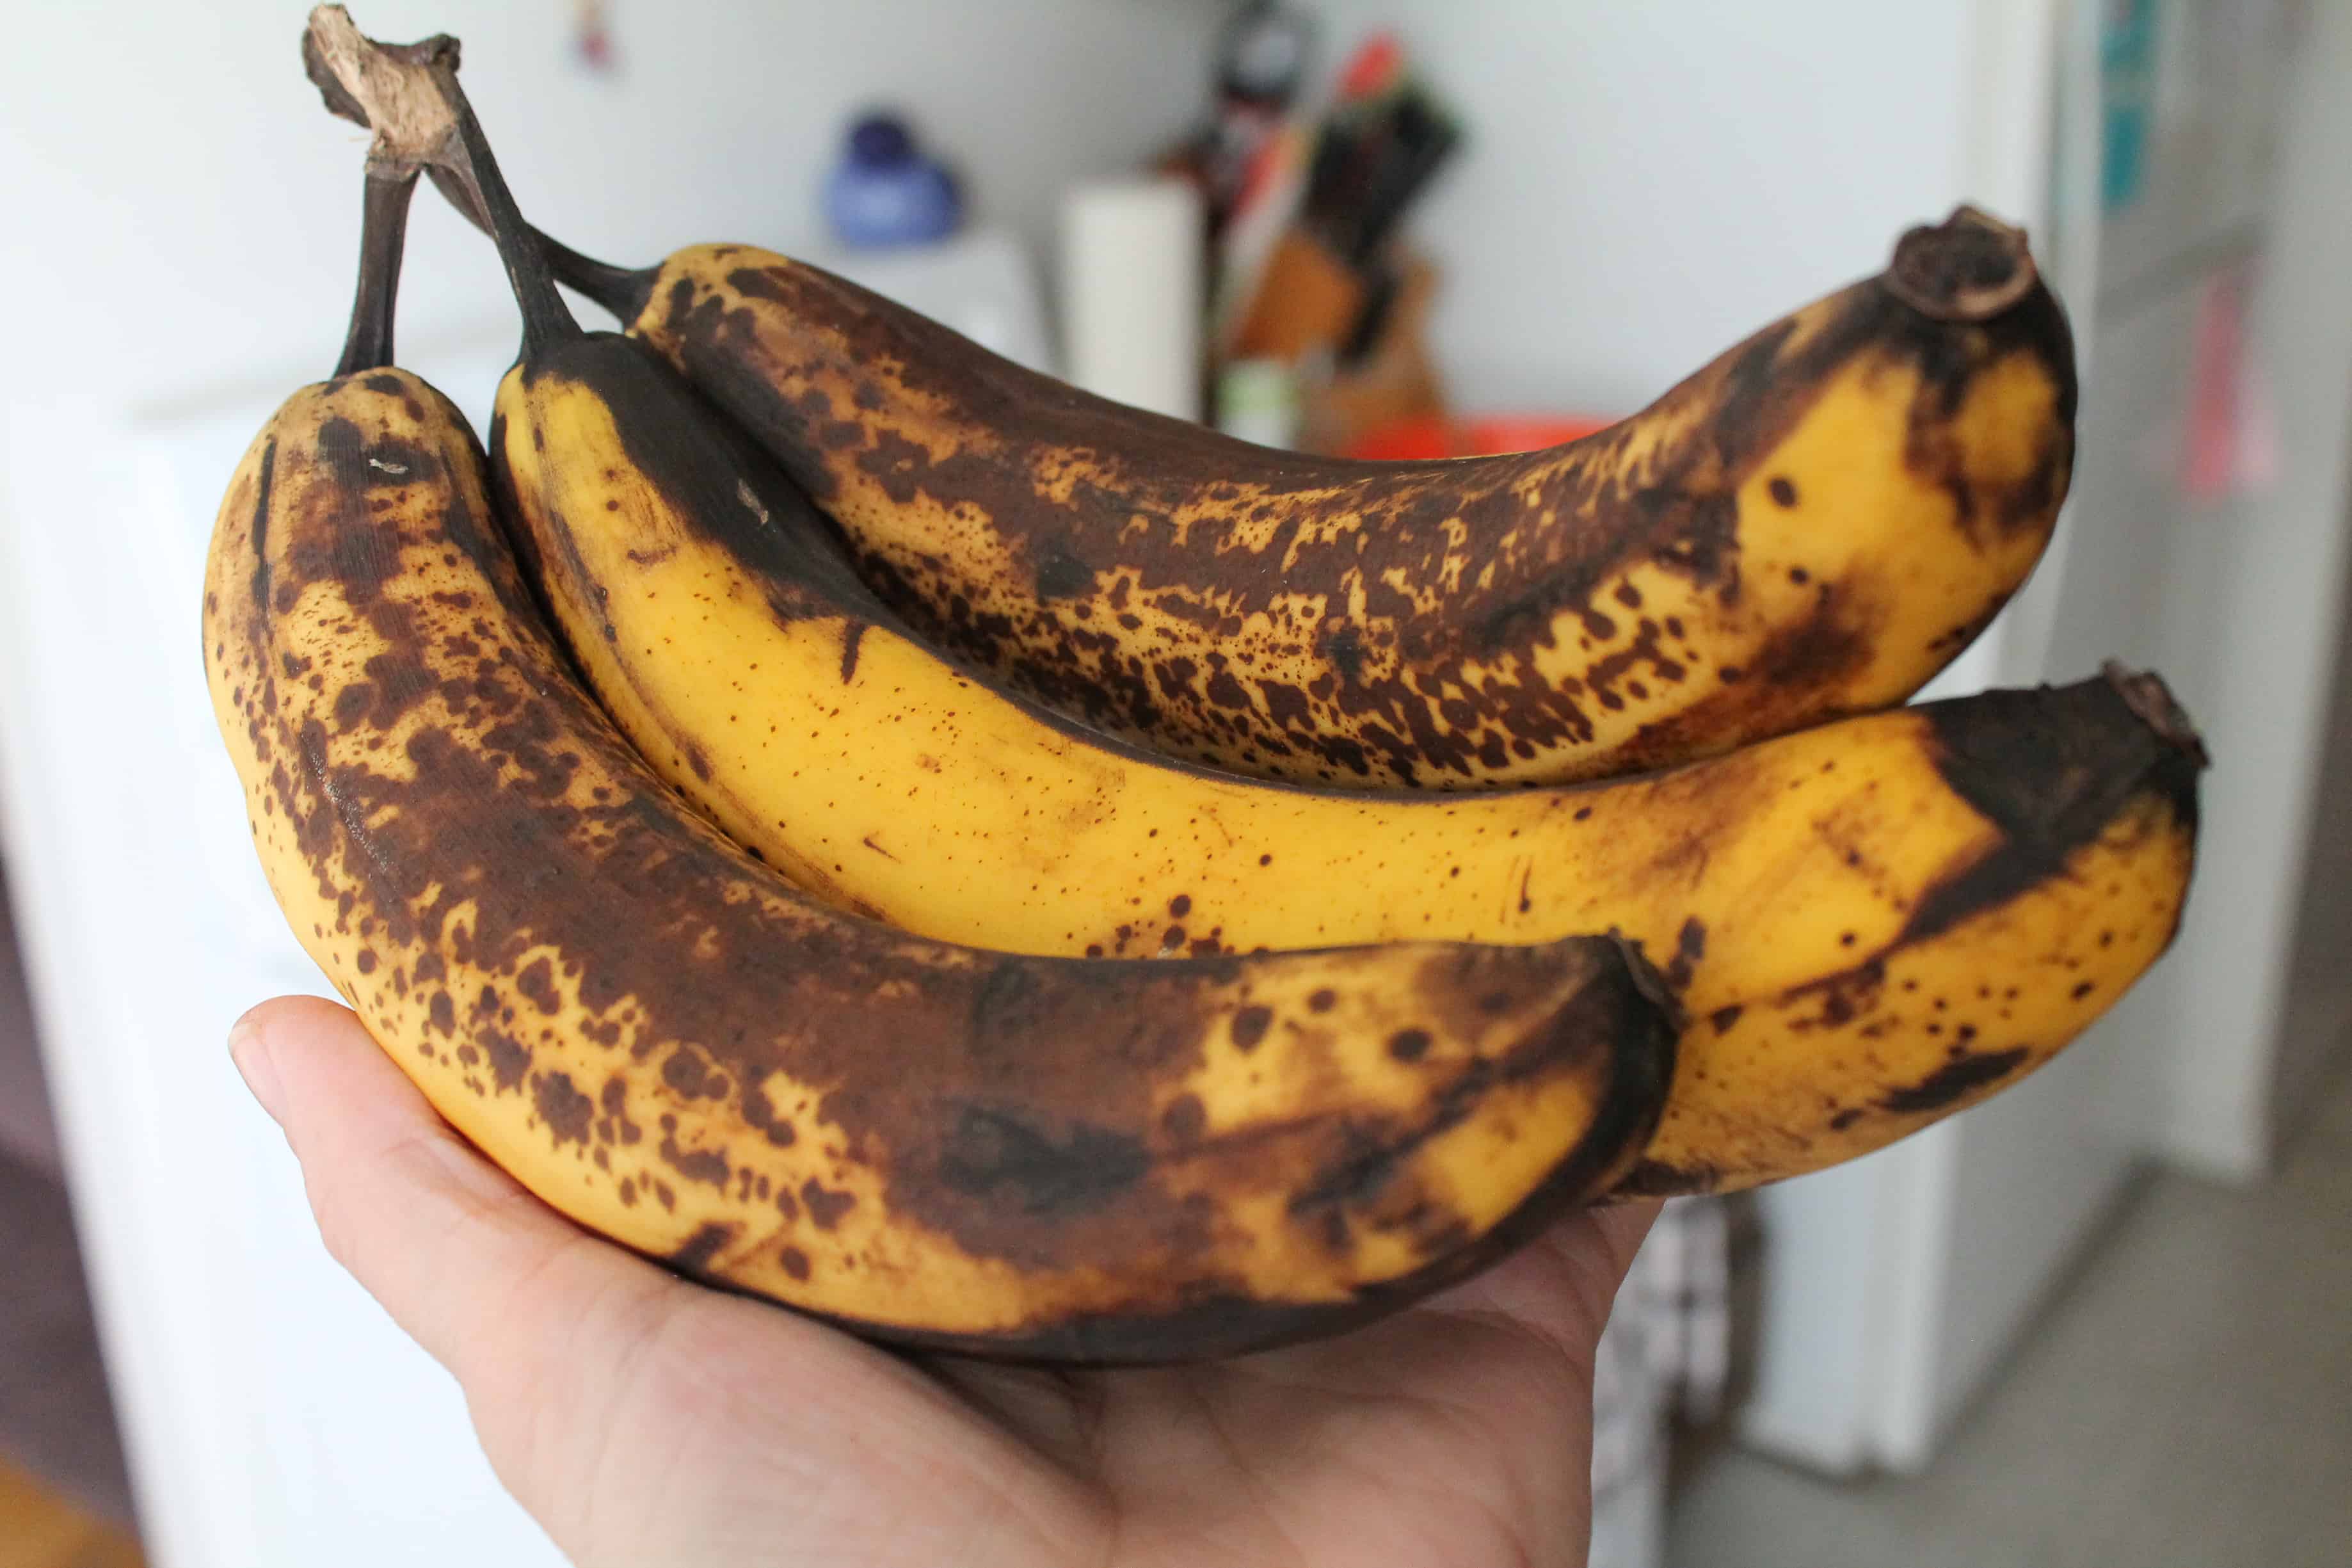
[1131, 296]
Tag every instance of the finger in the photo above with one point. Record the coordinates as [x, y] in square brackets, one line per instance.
[452, 1246]
[1562, 1284]
[1623, 1227]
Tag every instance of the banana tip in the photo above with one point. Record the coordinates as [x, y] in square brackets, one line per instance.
[1647, 981]
[2146, 694]
[1969, 267]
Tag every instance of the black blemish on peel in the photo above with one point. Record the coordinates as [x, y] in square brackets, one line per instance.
[262, 489]
[2052, 770]
[709, 1239]
[711, 478]
[1060, 574]
[1953, 1079]
[1004, 1155]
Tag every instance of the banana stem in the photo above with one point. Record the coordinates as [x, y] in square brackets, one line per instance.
[546, 320]
[623, 290]
[331, 44]
[1969, 267]
[384, 235]
[408, 95]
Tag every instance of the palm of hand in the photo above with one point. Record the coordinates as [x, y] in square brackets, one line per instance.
[642, 1419]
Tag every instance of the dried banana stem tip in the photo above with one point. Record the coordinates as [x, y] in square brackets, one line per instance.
[2145, 693]
[392, 89]
[1969, 267]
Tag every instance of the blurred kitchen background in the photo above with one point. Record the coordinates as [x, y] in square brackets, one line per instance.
[2106, 1317]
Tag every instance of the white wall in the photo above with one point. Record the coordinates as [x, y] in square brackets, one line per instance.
[1645, 183]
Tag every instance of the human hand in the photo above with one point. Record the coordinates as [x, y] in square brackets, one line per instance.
[644, 1419]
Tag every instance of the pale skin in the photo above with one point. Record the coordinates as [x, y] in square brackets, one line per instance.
[640, 1418]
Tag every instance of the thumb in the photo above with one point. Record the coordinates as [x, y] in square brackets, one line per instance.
[447, 1242]
[521, 1305]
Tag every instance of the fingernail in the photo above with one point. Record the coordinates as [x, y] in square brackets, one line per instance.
[251, 1056]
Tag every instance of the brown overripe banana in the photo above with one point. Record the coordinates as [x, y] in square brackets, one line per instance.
[1813, 524]
[665, 1041]
[1871, 923]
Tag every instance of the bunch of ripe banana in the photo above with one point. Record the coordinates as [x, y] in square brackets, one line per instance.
[878, 828]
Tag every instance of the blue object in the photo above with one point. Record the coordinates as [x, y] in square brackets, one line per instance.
[2128, 45]
[887, 192]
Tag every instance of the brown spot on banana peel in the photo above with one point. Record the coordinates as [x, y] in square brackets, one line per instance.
[1466, 572]
[478, 830]
[259, 580]
[1963, 1078]
[695, 1254]
[692, 454]
[1003, 1157]
[1778, 691]
[565, 1108]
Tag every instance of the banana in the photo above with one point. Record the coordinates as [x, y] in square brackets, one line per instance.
[1870, 923]
[1811, 525]
[936, 1145]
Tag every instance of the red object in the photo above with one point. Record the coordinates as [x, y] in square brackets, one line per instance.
[1419, 440]
[591, 37]
[1374, 67]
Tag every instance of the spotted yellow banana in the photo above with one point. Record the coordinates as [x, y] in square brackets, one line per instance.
[1812, 524]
